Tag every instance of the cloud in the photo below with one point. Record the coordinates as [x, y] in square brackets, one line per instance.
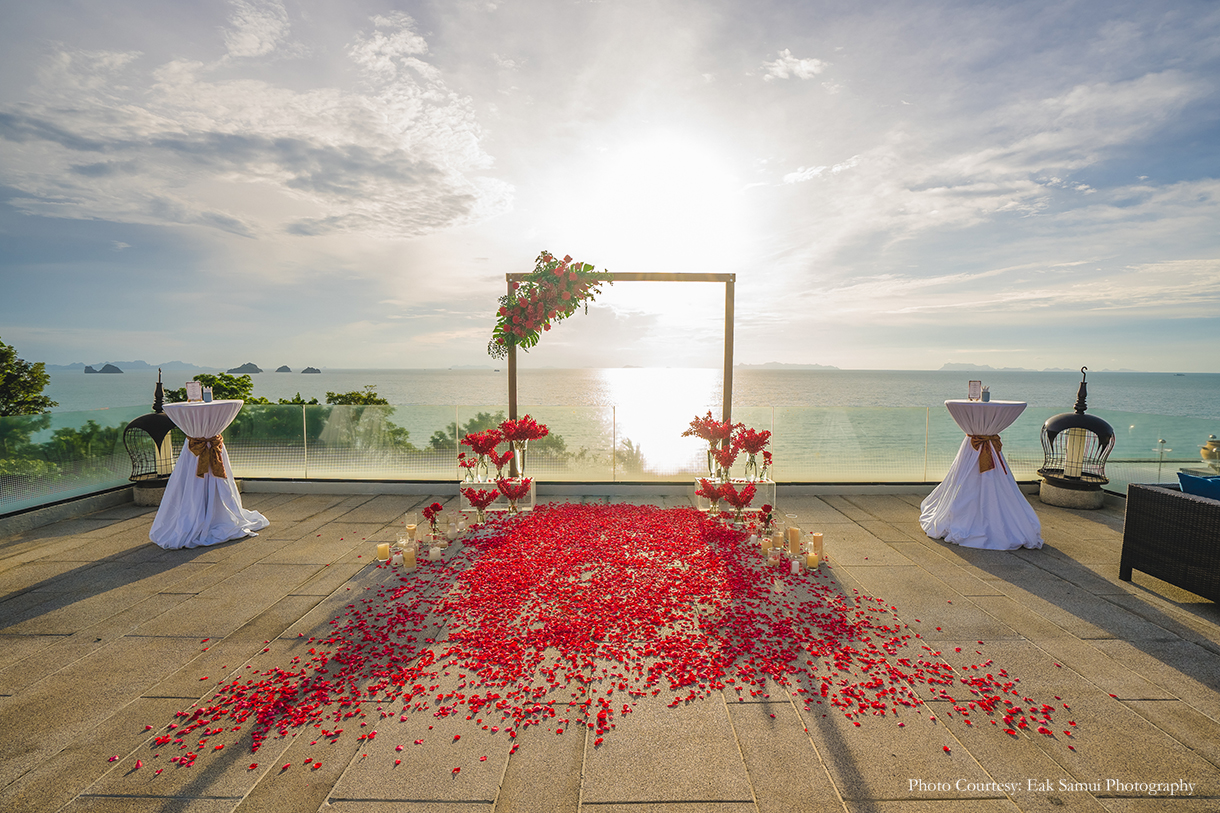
[789, 66]
[257, 27]
[937, 172]
[103, 138]
[1163, 289]
[803, 174]
[391, 47]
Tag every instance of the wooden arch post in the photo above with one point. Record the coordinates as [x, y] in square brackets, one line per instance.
[726, 412]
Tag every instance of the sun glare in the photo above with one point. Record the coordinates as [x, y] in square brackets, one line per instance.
[662, 202]
[652, 408]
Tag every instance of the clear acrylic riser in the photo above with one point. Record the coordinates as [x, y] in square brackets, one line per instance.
[526, 503]
[764, 495]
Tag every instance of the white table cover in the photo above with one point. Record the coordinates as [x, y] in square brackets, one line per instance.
[981, 509]
[198, 511]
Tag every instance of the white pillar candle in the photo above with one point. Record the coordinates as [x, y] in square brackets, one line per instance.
[383, 551]
[396, 558]
[1073, 461]
[434, 554]
[410, 531]
[753, 539]
[794, 539]
[408, 559]
[778, 540]
[795, 567]
[815, 544]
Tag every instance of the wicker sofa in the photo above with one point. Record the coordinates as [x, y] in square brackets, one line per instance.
[1174, 537]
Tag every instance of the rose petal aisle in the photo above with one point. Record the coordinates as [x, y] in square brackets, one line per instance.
[621, 601]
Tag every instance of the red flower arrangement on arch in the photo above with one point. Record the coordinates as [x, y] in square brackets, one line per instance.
[552, 292]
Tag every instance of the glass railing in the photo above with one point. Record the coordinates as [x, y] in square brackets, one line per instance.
[47, 458]
[53, 457]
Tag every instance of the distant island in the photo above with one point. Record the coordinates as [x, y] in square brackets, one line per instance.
[108, 368]
[961, 367]
[283, 368]
[248, 367]
[138, 364]
[311, 370]
[779, 365]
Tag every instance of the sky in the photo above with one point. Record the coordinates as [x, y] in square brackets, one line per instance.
[896, 185]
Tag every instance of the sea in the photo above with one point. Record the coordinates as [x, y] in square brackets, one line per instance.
[827, 424]
[1189, 395]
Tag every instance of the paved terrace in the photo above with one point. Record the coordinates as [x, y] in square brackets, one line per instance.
[100, 635]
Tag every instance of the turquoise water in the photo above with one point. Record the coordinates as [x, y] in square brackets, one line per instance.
[1195, 395]
[626, 424]
[828, 425]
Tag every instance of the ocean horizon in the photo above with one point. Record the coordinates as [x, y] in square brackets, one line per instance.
[1193, 395]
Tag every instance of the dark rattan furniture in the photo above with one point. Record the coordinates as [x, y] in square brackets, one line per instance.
[1174, 537]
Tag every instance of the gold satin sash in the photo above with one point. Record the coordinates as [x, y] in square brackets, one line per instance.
[983, 444]
[208, 451]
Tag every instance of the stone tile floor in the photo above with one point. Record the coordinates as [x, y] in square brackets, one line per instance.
[100, 635]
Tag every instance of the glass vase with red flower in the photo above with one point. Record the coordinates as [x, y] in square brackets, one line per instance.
[753, 443]
[514, 490]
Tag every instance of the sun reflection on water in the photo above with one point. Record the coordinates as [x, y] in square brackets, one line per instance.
[653, 407]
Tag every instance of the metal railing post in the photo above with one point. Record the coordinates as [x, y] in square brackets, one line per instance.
[927, 420]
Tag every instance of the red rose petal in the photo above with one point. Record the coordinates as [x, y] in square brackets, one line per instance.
[856, 655]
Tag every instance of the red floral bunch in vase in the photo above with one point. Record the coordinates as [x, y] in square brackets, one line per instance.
[709, 491]
[514, 490]
[467, 463]
[431, 513]
[520, 432]
[552, 292]
[498, 460]
[751, 441]
[483, 443]
[725, 457]
[738, 499]
[709, 429]
[479, 499]
[523, 429]
[764, 513]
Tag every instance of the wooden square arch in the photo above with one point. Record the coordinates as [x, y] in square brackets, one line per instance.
[729, 281]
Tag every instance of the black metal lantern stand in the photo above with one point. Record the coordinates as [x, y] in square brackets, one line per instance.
[1075, 447]
[149, 443]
